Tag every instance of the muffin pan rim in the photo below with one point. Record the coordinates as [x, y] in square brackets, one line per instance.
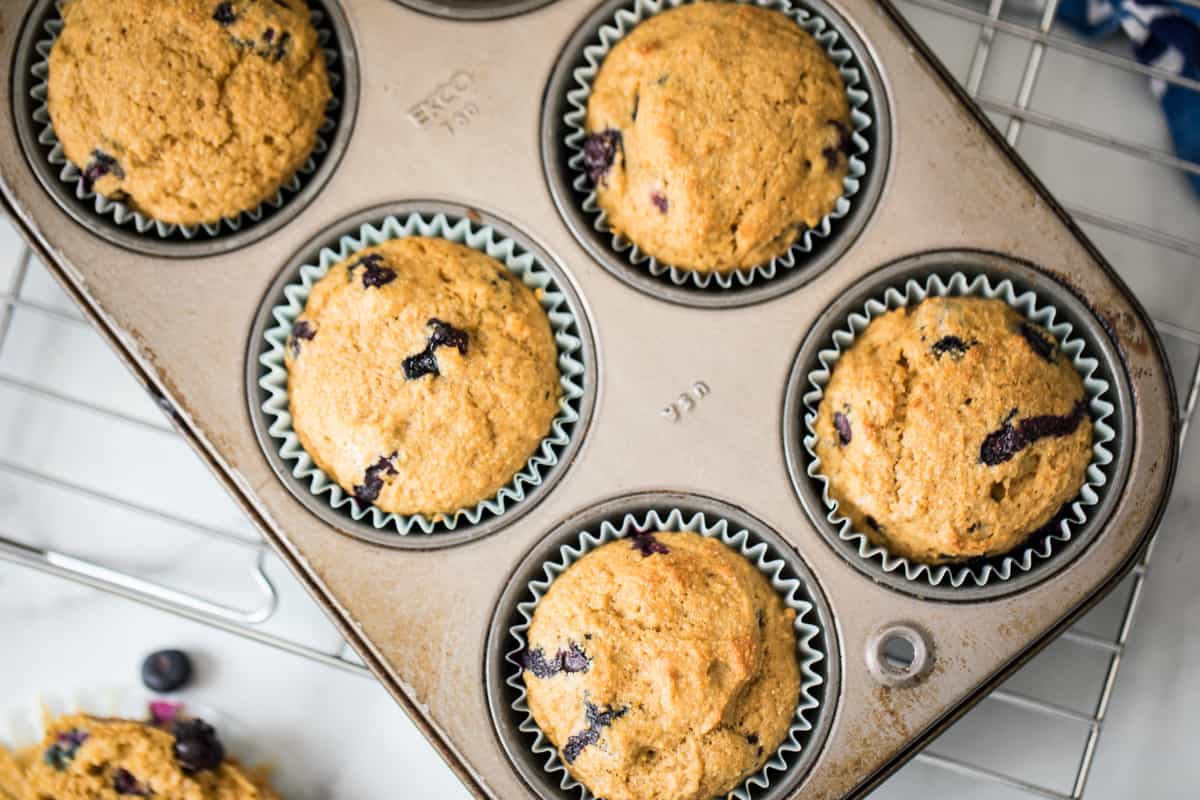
[1050, 291]
[495, 9]
[125, 235]
[559, 176]
[362, 528]
[567, 532]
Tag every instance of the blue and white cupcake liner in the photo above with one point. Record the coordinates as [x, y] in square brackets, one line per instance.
[826, 34]
[809, 652]
[124, 215]
[1038, 548]
[524, 266]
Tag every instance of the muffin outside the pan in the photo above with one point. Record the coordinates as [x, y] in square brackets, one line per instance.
[953, 429]
[87, 757]
[662, 665]
[718, 133]
[189, 111]
[422, 375]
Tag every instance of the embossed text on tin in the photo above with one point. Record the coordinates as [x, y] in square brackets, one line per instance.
[448, 107]
[685, 402]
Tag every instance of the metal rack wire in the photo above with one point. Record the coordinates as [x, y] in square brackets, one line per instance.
[250, 622]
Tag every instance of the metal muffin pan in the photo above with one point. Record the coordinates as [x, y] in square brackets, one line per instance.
[82, 211]
[500, 640]
[688, 400]
[825, 252]
[1025, 277]
[341, 518]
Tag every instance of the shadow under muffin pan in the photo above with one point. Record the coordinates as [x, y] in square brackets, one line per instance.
[383, 531]
[678, 285]
[200, 240]
[1096, 345]
[532, 755]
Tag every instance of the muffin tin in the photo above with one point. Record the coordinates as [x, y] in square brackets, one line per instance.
[442, 112]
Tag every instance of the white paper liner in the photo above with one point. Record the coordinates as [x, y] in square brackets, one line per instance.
[1034, 550]
[790, 588]
[121, 213]
[624, 20]
[487, 240]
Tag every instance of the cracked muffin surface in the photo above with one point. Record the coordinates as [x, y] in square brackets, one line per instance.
[87, 758]
[422, 375]
[953, 428]
[662, 666]
[718, 132]
[188, 110]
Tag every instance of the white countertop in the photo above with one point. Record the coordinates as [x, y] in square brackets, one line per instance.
[125, 490]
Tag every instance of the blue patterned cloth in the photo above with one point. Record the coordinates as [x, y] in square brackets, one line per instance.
[1165, 35]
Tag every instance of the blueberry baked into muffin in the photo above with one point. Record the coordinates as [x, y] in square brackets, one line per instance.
[422, 375]
[189, 111]
[953, 429]
[87, 758]
[718, 133]
[662, 666]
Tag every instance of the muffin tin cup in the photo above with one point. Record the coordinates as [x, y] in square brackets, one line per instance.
[119, 222]
[267, 374]
[1039, 299]
[815, 249]
[536, 757]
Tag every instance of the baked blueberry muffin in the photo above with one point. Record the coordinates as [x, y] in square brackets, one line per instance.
[662, 666]
[422, 375]
[718, 132]
[188, 110]
[86, 758]
[952, 429]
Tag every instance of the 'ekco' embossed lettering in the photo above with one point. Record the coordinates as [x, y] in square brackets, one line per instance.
[448, 106]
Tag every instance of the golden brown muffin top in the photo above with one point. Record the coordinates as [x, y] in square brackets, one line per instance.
[189, 110]
[953, 428]
[86, 758]
[719, 132]
[662, 665]
[422, 375]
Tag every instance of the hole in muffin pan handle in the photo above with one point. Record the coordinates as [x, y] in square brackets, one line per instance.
[899, 654]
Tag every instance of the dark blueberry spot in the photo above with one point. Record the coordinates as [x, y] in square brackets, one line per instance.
[101, 164]
[425, 362]
[419, 365]
[302, 329]
[844, 140]
[573, 659]
[283, 4]
[224, 14]
[1001, 445]
[535, 661]
[662, 79]
[968, 401]
[281, 46]
[1039, 341]
[660, 201]
[974, 526]
[163, 713]
[196, 746]
[374, 272]
[62, 751]
[587, 636]
[268, 35]
[872, 523]
[952, 345]
[597, 719]
[446, 335]
[599, 152]
[125, 783]
[636, 99]
[760, 752]
[752, 738]
[831, 155]
[368, 491]
[166, 670]
[645, 543]
[842, 423]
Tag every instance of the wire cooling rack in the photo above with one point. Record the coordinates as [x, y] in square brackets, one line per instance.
[1010, 57]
